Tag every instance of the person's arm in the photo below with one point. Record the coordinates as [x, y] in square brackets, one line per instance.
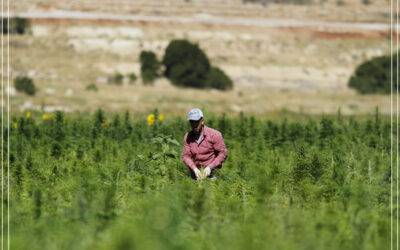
[187, 155]
[219, 146]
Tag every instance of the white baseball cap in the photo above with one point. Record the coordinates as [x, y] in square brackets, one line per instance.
[195, 115]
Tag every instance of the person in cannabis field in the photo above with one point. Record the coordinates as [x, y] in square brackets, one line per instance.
[202, 147]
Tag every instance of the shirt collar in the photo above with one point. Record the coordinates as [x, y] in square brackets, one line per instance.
[205, 131]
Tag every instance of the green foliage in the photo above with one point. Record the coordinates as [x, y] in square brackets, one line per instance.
[25, 84]
[116, 79]
[340, 2]
[149, 66]
[373, 76]
[148, 77]
[114, 182]
[92, 87]
[132, 78]
[217, 79]
[366, 2]
[17, 25]
[186, 65]
[266, 2]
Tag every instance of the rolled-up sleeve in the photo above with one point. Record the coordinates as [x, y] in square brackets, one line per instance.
[187, 155]
[219, 146]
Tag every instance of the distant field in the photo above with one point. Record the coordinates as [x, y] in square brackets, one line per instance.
[299, 69]
[271, 72]
[323, 10]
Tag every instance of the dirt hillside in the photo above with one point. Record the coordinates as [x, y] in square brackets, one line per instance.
[280, 56]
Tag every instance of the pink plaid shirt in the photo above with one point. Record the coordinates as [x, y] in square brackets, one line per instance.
[211, 150]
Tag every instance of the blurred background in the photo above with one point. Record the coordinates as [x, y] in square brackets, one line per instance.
[263, 56]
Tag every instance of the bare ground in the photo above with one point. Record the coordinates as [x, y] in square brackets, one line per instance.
[301, 69]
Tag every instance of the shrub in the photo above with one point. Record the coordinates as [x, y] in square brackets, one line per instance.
[91, 87]
[17, 26]
[339, 2]
[116, 79]
[366, 2]
[373, 76]
[217, 79]
[186, 64]
[132, 78]
[266, 2]
[149, 66]
[148, 76]
[25, 84]
[263, 2]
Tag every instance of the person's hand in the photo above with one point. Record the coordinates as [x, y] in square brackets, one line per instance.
[197, 173]
[207, 171]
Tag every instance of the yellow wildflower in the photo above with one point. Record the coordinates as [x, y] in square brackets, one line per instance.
[45, 117]
[15, 124]
[51, 116]
[151, 119]
[28, 114]
[160, 117]
[65, 119]
[104, 124]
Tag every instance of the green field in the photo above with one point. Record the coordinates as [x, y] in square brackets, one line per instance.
[113, 182]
